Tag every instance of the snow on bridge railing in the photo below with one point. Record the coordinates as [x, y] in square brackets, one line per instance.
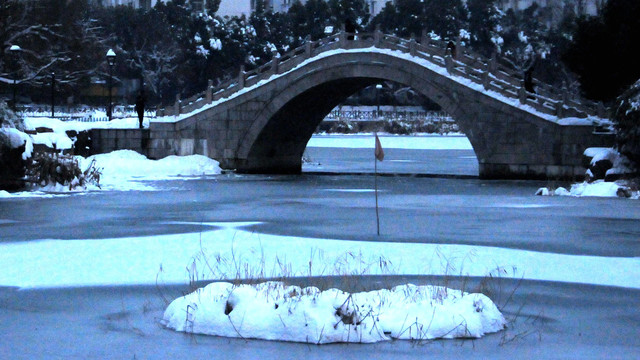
[493, 74]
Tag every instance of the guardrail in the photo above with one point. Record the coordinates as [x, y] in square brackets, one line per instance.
[375, 115]
[494, 74]
[86, 117]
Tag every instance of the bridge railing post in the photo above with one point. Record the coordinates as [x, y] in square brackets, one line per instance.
[275, 62]
[459, 48]
[560, 109]
[209, 91]
[425, 39]
[522, 94]
[241, 77]
[448, 62]
[308, 50]
[486, 77]
[563, 101]
[601, 110]
[342, 38]
[176, 106]
[377, 36]
[412, 45]
[493, 62]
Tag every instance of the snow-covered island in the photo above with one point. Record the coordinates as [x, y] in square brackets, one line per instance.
[275, 311]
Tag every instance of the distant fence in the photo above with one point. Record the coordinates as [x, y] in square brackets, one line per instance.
[371, 113]
[83, 114]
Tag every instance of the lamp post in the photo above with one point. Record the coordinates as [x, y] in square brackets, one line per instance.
[111, 59]
[53, 94]
[15, 51]
[378, 88]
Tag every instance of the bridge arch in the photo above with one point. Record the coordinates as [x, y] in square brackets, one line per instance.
[276, 139]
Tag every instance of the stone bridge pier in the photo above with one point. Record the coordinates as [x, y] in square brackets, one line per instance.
[265, 128]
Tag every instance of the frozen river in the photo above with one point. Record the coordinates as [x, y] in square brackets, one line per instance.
[549, 319]
[447, 155]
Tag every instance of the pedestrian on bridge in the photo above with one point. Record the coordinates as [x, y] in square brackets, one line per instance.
[350, 29]
[451, 49]
[528, 74]
[140, 107]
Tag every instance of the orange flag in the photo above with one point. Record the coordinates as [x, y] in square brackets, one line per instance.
[379, 153]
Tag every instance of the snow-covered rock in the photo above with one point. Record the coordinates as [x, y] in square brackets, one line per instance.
[598, 188]
[605, 163]
[275, 311]
[16, 139]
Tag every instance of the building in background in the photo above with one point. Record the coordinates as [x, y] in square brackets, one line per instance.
[581, 7]
[246, 7]
[236, 7]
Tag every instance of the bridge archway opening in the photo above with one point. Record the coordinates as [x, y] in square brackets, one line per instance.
[281, 144]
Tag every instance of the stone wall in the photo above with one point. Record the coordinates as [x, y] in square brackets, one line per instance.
[108, 140]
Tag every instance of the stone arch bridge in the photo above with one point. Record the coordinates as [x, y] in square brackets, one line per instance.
[262, 121]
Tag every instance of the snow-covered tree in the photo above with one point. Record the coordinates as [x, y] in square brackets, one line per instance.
[602, 52]
[445, 18]
[627, 124]
[356, 11]
[308, 20]
[54, 36]
[484, 25]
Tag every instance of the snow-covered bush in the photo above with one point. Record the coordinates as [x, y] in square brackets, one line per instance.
[50, 169]
[398, 127]
[344, 126]
[627, 124]
[8, 118]
[15, 149]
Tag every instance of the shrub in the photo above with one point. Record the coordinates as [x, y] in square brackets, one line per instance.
[52, 169]
[398, 127]
[8, 118]
[12, 153]
[344, 126]
[12, 165]
[626, 121]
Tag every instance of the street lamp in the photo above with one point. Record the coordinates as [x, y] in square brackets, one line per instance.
[53, 87]
[111, 59]
[15, 51]
[378, 88]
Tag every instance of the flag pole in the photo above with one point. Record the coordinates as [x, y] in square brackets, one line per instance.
[375, 177]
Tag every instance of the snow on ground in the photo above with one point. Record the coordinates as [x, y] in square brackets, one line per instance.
[228, 252]
[120, 168]
[126, 170]
[59, 126]
[275, 311]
